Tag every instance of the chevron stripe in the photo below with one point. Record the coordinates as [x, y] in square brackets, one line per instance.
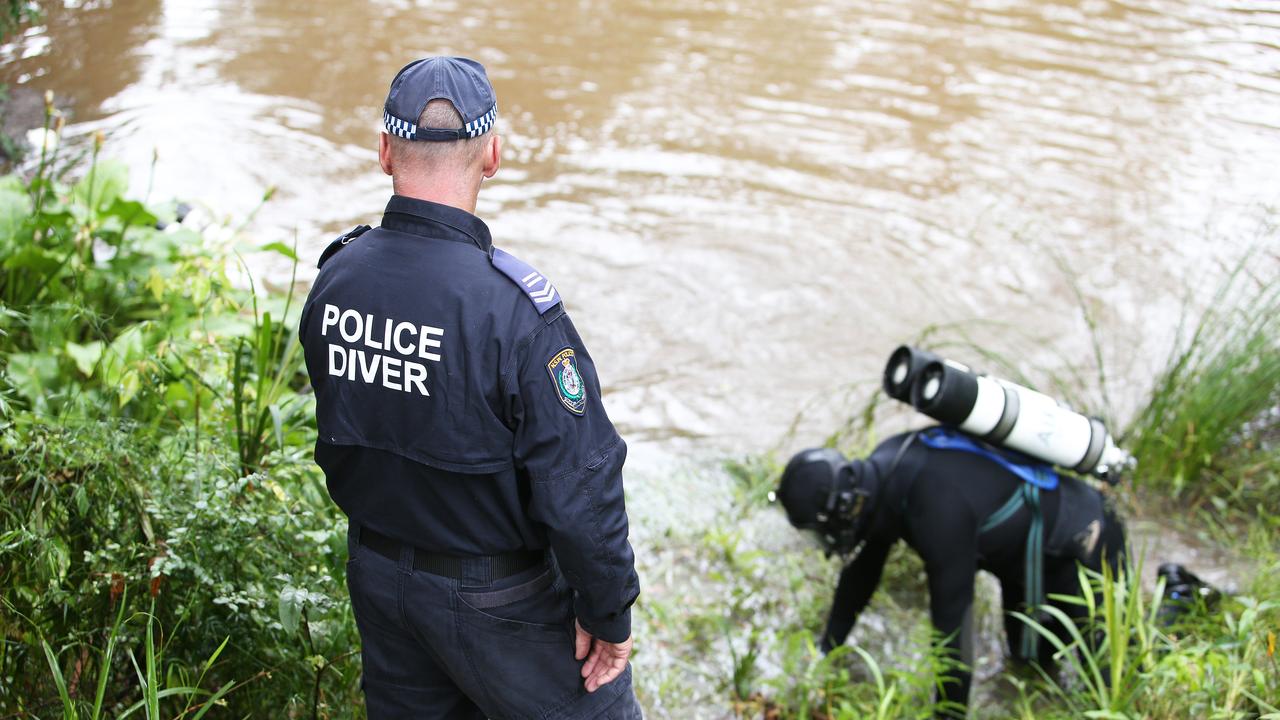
[546, 295]
[547, 288]
[535, 286]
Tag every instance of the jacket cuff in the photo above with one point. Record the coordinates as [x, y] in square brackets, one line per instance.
[615, 629]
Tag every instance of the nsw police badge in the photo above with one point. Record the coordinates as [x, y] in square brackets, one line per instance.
[563, 368]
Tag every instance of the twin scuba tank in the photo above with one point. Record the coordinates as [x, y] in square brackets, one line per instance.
[1003, 413]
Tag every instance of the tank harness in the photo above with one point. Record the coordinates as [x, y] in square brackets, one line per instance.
[1035, 478]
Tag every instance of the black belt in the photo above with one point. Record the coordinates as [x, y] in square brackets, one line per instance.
[452, 566]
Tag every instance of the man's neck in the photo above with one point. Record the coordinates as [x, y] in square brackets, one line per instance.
[461, 198]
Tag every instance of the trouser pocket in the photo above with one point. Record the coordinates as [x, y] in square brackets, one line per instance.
[520, 640]
[536, 606]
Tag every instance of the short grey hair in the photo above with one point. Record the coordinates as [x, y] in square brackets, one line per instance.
[439, 113]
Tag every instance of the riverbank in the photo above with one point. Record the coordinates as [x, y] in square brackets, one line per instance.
[734, 604]
[166, 542]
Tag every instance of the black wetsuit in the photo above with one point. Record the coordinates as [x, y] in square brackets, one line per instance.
[936, 500]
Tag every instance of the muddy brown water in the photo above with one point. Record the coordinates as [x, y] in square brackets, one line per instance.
[746, 204]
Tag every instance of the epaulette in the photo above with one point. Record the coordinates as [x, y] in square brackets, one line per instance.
[341, 241]
[536, 286]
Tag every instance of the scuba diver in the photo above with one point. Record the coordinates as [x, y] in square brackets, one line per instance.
[978, 493]
[963, 506]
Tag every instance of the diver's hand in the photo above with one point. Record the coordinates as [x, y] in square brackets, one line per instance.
[605, 660]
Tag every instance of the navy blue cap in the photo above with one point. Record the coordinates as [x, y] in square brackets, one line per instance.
[461, 81]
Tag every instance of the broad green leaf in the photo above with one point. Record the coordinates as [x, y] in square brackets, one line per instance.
[291, 599]
[33, 375]
[15, 207]
[35, 259]
[130, 384]
[85, 356]
[132, 212]
[101, 185]
[156, 284]
[280, 248]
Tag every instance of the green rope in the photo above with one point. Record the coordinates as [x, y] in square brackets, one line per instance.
[1006, 511]
[1033, 579]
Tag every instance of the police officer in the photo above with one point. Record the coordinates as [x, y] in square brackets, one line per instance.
[963, 506]
[460, 428]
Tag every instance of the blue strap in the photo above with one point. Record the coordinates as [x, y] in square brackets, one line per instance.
[1038, 474]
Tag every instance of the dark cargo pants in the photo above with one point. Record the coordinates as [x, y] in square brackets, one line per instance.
[436, 647]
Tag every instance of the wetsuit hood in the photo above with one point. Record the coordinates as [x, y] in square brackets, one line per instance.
[834, 497]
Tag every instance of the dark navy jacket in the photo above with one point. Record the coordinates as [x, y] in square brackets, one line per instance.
[458, 410]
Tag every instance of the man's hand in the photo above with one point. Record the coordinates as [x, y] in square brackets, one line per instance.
[605, 661]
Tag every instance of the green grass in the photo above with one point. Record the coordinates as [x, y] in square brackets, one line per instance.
[1211, 429]
[1212, 664]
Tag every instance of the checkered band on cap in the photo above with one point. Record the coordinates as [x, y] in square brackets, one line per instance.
[482, 124]
[398, 127]
[410, 130]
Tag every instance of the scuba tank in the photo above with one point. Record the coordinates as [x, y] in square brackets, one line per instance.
[1004, 413]
[903, 370]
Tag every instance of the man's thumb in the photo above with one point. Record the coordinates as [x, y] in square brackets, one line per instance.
[581, 642]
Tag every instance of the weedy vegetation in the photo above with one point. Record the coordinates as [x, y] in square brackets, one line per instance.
[1210, 431]
[166, 547]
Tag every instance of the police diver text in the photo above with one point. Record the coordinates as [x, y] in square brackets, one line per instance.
[407, 339]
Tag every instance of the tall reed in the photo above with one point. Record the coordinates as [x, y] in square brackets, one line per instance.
[1212, 408]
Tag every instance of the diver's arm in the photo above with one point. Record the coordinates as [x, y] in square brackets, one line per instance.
[858, 581]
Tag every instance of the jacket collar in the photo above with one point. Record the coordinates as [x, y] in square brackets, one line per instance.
[429, 219]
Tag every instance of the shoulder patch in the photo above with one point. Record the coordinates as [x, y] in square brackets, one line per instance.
[563, 368]
[536, 286]
[340, 242]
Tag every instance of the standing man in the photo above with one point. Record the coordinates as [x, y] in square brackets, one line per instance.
[462, 432]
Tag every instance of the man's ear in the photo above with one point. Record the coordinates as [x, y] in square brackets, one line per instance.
[384, 152]
[493, 155]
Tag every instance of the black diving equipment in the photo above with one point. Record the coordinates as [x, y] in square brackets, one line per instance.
[823, 492]
[903, 369]
[1011, 416]
[1183, 591]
